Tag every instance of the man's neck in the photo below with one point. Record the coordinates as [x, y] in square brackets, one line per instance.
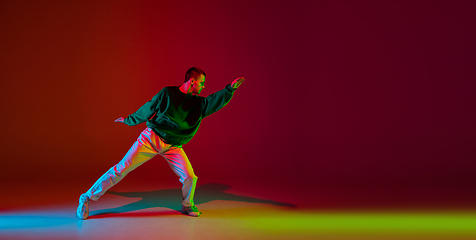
[185, 87]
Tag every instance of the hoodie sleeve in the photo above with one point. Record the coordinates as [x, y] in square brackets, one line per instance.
[146, 111]
[216, 101]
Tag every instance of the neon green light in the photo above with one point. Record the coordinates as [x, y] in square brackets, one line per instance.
[366, 222]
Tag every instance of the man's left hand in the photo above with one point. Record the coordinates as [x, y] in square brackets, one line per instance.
[237, 82]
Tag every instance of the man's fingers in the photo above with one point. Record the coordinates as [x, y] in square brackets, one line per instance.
[237, 82]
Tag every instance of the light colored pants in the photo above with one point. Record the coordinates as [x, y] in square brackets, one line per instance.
[147, 146]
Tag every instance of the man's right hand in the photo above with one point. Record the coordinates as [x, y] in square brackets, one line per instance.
[121, 120]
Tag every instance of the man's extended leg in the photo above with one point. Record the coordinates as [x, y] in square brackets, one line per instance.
[142, 150]
[180, 164]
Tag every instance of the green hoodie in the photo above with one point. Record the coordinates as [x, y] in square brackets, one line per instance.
[176, 116]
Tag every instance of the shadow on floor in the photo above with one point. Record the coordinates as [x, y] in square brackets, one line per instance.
[171, 198]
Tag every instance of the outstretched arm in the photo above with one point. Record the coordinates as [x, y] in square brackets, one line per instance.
[144, 112]
[218, 100]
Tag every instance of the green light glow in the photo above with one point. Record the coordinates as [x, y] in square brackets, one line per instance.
[367, 222]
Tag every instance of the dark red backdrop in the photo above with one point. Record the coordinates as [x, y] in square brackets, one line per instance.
[368, 93]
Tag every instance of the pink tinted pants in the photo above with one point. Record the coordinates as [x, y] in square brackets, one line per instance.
[147, 146]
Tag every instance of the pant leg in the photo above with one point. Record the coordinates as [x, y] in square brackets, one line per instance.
[145, 148]
[180, 164]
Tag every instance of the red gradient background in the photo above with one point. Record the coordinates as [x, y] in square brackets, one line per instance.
[344, 102]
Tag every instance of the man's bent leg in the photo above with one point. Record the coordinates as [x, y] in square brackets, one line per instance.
[180, 164]
[141, 151]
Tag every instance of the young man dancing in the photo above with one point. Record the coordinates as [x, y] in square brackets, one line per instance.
[173, 117]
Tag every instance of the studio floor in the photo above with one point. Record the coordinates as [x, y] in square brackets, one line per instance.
[227, 213]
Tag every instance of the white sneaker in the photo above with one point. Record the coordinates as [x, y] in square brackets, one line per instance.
[191, 211]
[83, 208]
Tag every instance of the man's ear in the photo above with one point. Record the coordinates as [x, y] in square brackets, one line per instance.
[192, 80]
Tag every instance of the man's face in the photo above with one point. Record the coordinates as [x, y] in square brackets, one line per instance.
[198, 85]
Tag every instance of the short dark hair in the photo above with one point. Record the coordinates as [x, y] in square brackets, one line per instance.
[193, 72]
